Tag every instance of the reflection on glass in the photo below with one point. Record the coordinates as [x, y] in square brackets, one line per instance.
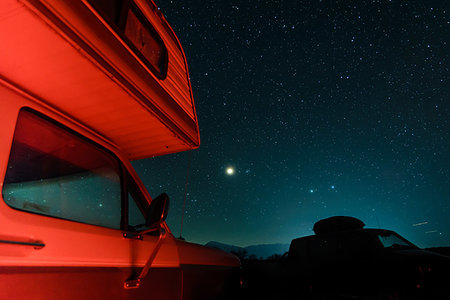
[54, 172]
[393, 241]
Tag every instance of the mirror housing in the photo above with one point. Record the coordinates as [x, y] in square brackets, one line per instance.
[157, 211]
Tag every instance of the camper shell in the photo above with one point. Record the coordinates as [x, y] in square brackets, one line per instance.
[87, 86]
[67, 55]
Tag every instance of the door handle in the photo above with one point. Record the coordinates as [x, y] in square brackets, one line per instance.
[37, 245]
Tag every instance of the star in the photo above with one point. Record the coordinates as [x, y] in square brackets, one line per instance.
[230, 171]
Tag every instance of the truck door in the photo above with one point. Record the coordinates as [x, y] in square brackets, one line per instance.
[164, 279]
[63, 221]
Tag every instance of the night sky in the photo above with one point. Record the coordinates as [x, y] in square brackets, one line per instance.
[321, 108]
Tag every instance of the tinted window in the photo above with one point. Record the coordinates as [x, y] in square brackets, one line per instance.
[53, 171]
[136, 31]
[356, 243]
[137, 206]
[392, 241]
[145, 41]
[136, 218]
[323, 246]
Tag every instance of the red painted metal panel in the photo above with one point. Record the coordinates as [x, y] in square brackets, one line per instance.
[86, 283]
[60, 58]
[67, 57]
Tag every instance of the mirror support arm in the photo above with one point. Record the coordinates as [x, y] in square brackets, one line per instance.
[135, 283]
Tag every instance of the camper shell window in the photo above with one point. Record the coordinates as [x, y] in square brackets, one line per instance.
[133, 27]
[55, 172]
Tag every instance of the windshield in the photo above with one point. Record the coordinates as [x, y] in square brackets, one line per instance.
[392, 241]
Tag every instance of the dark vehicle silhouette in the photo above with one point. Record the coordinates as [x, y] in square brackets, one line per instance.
[343, 260]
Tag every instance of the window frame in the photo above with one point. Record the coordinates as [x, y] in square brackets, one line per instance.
[131, 187]
[96, 145]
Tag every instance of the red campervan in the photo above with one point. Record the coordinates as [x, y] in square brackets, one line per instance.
[85, 87]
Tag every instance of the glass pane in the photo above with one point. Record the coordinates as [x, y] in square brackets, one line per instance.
[137, 205]
[323, 246]
[135, 215]
[392, 241]
[144, 41]
[54, 172]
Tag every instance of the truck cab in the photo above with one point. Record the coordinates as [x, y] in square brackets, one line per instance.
[346, 261]
[86, 87]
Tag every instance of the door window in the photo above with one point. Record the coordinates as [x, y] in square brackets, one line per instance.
[55, 172]
[137, 206]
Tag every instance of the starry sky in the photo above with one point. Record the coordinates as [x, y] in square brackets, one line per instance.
[321, 108]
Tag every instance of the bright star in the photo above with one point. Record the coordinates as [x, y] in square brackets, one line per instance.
[230, 171]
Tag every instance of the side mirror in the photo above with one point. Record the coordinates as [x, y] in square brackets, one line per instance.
[157, 211]
[156, 214]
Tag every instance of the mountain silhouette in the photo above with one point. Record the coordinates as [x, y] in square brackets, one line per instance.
[258, 251]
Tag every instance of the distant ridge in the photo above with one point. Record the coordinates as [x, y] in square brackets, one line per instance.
[257, 251]
[224, 247]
